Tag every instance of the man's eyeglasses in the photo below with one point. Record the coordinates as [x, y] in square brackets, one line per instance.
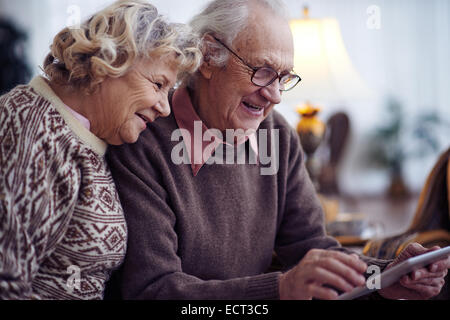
[265, 76]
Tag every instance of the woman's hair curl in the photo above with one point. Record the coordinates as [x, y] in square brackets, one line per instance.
[109, 43]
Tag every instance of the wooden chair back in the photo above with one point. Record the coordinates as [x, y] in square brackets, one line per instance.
[431, 223]
[432, 211]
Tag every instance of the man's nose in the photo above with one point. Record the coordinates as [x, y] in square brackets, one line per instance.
[272, 92]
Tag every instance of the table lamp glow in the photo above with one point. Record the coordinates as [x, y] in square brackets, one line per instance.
[328, 76]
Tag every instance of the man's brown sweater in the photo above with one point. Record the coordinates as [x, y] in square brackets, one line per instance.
[212, 236]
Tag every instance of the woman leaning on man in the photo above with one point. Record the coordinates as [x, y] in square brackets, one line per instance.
[62, 228]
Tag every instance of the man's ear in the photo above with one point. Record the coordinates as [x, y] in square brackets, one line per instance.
[205, 70]
[208, 50]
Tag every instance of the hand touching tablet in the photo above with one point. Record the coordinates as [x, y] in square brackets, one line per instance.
[422, 283]
[401, 269]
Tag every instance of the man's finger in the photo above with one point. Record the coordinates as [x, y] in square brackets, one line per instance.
[352, 260]
[325, 277]
[319, 292]
[343, 270]
[412, 250]
[409, 283]
[440, 265]
[424, 274]
[425, 290]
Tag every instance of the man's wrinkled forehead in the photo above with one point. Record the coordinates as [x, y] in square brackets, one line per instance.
[266, 41]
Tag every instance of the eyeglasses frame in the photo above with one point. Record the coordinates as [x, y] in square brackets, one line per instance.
[255, 69]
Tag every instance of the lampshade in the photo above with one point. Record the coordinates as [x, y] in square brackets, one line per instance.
[322, 62]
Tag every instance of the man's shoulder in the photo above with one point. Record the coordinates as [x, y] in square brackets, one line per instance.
[154, 140]
[162, 127]
[275, 120]
[287, 138]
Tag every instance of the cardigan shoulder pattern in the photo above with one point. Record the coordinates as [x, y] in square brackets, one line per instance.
[62, 229]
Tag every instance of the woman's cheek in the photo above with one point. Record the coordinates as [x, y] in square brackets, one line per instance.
[131, 130]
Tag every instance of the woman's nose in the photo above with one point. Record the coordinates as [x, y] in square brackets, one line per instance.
[163, 107]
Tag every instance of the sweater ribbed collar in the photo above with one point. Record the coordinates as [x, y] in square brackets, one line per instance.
[40, 85]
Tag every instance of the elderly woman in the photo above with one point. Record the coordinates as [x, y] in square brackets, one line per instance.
[62, 227]
[207, 229]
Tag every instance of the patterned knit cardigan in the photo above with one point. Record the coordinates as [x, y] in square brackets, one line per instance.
[62, 229]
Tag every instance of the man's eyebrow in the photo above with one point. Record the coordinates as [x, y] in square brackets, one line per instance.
[270, 64]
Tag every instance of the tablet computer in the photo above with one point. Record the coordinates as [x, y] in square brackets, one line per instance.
[393, 274]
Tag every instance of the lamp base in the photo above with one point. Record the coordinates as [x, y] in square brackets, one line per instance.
[313, 167]
[311, 131]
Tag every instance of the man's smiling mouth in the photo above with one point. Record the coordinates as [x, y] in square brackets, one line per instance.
[252, 106]
[252, 109]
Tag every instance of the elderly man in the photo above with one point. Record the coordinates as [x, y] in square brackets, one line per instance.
[204, 218]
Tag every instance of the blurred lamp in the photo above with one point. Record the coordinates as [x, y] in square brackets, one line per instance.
[322, 61]
[328, 76]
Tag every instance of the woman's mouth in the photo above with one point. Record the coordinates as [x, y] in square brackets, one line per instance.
[145, 119]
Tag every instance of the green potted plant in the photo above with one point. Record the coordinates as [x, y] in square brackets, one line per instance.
[402, 137]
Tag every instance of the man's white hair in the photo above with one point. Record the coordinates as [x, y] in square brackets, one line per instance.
[225, 19]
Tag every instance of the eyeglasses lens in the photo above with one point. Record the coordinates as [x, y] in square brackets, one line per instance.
[265, 76]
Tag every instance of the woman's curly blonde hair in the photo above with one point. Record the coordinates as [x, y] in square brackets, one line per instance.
[110, 42]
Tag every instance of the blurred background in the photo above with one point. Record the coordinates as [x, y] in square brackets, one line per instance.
[399, 50]
[372, 110]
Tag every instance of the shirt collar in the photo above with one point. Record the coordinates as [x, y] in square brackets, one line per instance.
[83, 120]
[199, 150]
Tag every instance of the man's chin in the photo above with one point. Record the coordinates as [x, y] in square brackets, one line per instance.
[249, 126]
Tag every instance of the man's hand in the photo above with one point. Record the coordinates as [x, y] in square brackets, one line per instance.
[421, 284]
[318, 271]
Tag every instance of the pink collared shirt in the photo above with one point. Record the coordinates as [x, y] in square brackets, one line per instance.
[200, 141]
[83, 120]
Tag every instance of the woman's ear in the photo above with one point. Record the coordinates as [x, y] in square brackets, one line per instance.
[208, 50]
